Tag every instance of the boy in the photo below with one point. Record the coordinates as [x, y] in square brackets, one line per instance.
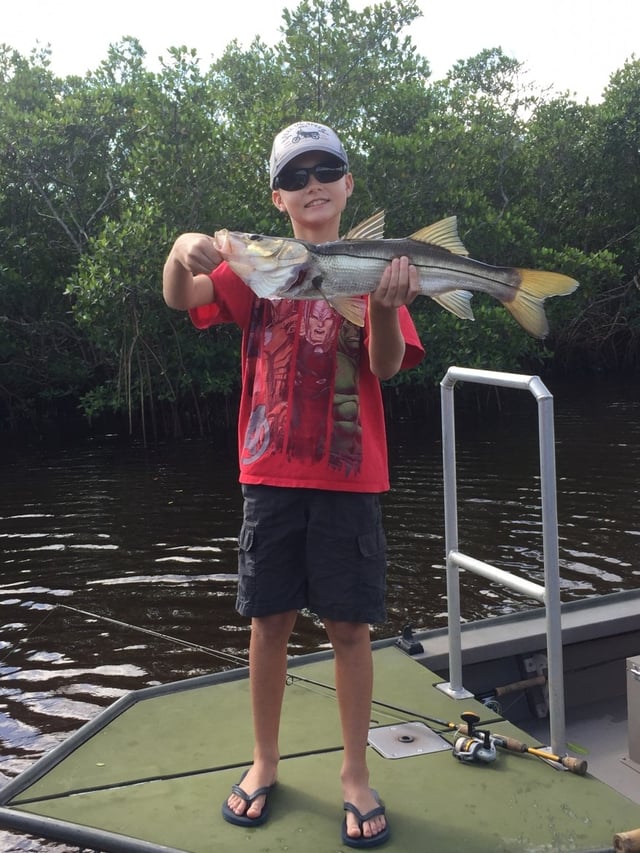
[313, 462]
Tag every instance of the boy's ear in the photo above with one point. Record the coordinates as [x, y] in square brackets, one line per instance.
[276, 198]
[349, 183]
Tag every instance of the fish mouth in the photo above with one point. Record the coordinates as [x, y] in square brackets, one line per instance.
[222, 242]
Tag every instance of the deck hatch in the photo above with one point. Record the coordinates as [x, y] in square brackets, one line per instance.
[405, 740]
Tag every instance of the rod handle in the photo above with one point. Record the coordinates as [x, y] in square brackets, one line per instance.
[535, 681]
[575, 765]
[511, 744]
[627, 842]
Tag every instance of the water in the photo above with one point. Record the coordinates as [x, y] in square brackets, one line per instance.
[147, 537]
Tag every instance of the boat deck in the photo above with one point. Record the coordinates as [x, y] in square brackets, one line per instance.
[151, 772]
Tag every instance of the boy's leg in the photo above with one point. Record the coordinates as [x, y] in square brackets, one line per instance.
[267, 676]
[270, 581]
[354, 684]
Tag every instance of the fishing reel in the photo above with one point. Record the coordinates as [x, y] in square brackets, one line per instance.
[475, 746]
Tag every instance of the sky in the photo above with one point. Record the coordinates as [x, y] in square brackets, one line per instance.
[569, 45]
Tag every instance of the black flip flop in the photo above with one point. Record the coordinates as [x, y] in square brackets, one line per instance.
[362, 841]
[242, 819]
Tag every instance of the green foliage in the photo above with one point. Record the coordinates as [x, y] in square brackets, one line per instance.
[493, 341]
[98, 175]
[342, 61]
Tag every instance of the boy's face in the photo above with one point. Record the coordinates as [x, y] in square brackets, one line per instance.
[315, 209]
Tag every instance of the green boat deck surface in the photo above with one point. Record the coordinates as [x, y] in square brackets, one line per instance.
[155, 778]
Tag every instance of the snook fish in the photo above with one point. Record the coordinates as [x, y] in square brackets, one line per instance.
[343, 270]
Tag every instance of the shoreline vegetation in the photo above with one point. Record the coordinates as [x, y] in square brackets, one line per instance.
[100, 173]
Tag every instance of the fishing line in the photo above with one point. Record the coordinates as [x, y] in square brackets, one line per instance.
[237, 659]
[14, 648]
[226, 656]
[291, 677]
[407, 712]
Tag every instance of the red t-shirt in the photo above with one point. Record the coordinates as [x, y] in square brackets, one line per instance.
[311, 413]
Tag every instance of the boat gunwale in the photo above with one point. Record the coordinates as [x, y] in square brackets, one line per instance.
[487, 639]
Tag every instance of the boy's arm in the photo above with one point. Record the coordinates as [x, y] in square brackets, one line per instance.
[185, 278]
[398, 286]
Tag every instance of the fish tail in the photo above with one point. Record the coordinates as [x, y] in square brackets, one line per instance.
[527, 306]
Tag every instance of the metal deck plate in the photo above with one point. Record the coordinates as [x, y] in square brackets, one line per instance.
[406, 739]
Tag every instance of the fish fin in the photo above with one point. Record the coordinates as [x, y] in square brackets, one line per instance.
[527, 304]
[456, 301]
[444, 234]
[352, 308]
[369, 229]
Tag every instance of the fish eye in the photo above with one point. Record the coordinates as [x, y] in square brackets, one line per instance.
[255, 236]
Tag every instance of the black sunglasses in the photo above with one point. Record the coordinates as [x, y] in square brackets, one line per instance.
[297, 179]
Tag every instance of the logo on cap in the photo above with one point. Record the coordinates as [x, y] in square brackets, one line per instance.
[299, 138]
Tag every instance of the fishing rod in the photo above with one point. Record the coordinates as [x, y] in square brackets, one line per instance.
[480, 746]
[407, 712]
[472, 744]
[470, 718]
[237, 659]
[623, 842]
[226, 656]
[574, 765]
[469, 727]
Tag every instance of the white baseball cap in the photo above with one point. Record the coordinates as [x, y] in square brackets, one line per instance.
[300, 137]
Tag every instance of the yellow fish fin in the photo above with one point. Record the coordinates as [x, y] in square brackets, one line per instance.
[456, 301]
[444, 234]
[352, 308]
[527, 304]
[369, 229]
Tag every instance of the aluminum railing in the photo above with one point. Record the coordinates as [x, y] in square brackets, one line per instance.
[549, 594]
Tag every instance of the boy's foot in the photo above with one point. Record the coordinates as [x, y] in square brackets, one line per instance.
[246, 805]
[365, 824]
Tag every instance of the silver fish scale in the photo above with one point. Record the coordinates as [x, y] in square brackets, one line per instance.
[355, 267]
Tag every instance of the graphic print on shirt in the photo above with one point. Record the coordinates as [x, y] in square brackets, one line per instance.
[303, 360]
[346, 438]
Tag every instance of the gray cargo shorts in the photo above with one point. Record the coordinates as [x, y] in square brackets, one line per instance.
[315, 549]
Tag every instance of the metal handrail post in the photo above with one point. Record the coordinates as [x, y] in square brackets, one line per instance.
[555, 678]
[454, 687]
[549, 532]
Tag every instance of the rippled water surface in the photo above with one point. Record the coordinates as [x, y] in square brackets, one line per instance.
[147, 538]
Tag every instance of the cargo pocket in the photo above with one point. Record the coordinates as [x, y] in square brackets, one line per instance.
[371, 577]
[372, 544]
[247, 536]
[246, 550]
[246, 570]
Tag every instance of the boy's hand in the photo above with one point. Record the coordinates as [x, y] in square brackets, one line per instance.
[185, 277]
[196, 253]
[398, 286]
